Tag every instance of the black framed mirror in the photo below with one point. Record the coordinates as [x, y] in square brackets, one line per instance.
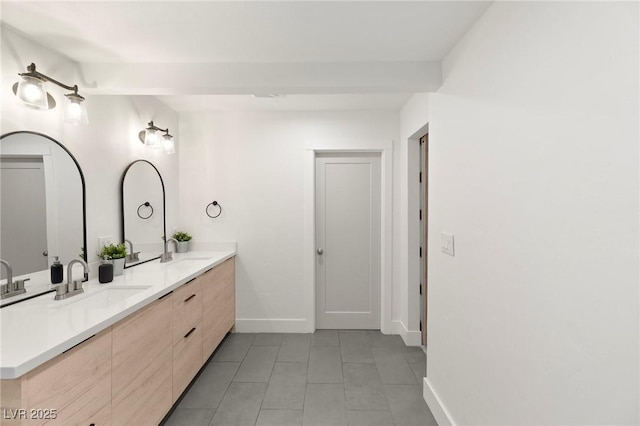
[142, 207]
[43, 209]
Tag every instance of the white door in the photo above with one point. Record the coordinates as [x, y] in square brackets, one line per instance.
[348, 241]
[23, 215]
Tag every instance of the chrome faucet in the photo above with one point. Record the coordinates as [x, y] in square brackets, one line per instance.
[71, 287]
[132, 256]
[10, 288]
[167, 256]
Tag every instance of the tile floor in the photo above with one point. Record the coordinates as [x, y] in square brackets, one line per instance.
[331, 377]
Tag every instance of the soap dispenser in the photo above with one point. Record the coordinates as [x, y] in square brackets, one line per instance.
[57, 271]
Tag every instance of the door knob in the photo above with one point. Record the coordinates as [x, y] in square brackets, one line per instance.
[320, 251]
[45, 253]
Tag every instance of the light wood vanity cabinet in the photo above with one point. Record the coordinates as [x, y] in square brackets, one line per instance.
[219, 301]
[132, 372]
[142, 359]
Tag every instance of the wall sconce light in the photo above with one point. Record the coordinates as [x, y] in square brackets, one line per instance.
[31, 92]
[151, 137]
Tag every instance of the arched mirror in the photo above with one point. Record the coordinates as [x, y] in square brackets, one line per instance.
[42, 209]
[143, 212]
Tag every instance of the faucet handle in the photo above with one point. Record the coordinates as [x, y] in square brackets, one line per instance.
[19, 284]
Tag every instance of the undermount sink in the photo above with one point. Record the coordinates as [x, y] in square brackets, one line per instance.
[188, 260]
[106, 297]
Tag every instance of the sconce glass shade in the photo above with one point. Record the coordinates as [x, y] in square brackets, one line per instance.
[75, 111]
[168, 144]
[151, 139]
[32, 93]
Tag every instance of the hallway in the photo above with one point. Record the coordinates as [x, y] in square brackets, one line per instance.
[329, 377]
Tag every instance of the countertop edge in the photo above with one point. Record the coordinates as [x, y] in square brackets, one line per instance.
[17, 371]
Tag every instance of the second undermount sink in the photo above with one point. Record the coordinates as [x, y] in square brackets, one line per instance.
[188, 260]
[106, 297]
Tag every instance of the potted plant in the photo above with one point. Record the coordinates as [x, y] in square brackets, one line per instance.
[117, 254]
[183, 241]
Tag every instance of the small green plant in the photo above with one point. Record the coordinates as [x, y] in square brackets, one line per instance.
[113, 251]
[181, 236]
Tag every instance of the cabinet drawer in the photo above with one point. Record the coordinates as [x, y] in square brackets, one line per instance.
[187, 358]
[77, 384]
[187, 308]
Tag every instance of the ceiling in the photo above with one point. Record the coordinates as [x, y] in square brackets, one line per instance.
[354, 49]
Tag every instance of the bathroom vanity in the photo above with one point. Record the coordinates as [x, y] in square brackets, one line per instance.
[121, 353]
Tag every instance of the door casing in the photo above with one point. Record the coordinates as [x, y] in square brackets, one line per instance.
[385, 148]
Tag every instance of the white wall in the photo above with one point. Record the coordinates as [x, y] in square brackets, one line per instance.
[534, 168]
[253, 165]
[103, 148]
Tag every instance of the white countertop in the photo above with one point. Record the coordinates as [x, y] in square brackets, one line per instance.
[39, 329]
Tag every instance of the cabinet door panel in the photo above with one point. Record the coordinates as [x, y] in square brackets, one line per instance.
[218, 311]
[141, 379]
[77, 384]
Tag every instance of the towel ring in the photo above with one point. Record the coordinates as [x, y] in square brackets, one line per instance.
[214, 203]
[145, 204]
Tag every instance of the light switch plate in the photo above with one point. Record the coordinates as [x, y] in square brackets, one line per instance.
[446, 244]
[103, 241]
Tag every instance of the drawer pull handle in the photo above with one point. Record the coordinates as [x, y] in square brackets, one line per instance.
[190, 297]
[189, 333]
[92, 424]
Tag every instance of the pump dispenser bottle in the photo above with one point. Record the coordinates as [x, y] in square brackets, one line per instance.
[57, 271]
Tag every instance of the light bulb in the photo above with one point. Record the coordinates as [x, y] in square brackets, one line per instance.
[32, 93]
[151, 138]
[168, 144]
[75, 111]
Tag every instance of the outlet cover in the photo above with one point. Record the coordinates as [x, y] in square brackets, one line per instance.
[446, 244]
[103, 241]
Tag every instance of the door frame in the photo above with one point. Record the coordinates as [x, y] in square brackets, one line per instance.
[385, 149]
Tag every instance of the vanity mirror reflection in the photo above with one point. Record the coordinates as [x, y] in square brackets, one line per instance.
[142, 212]
[42, 209]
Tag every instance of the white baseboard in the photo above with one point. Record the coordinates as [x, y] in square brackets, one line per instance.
[259, 325]
[436, 406]
[411, 338]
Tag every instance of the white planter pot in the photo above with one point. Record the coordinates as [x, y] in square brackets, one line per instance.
[183, 246]
[118, 266]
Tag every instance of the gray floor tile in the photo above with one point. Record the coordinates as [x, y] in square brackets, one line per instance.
[280, 418]
[363, 388]
[287, 386]
[207, 391]
[392, 366]
[295, 348]
[415, 354]
[257, 365]
[324, 404]
[356, 353]
[325, 338]
[376, 338]
[268, 339]
[189, 417]
[241, 405]
[353, 337]
[360, 374]
[407, 406]
[235, 347]
[325, 365]
[365, 397]
[369, 418]
[420, 370]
